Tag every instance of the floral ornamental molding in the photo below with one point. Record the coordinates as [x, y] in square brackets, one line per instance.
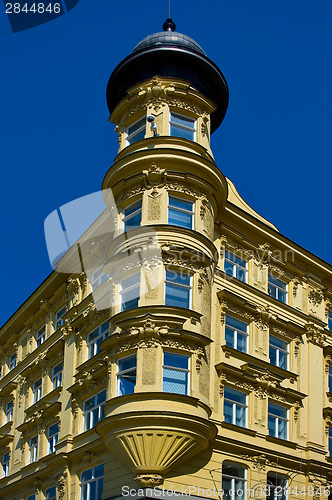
[315, 297]
[155, 177]
[173, 186]
[62, 484]
[264, 317]
[159, 341]
[148, 330]
[296, 283]
[263, 255]
[315, 335]
[259, 462]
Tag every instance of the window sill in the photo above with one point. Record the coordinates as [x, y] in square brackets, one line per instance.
[238, 428]
[282, 442]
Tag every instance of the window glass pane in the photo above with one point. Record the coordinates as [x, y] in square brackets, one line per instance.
[175, 360]
[136, 126]
[182, 120]
[178, 277]
[178, 297]
[179, 219]
[126, 363]
[180, 132]
[236, 396]
[228, 412]
[241, 342]
[180, 203]
[175, 381]
[99, 470]
[277, 410]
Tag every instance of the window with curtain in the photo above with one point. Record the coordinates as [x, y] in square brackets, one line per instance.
[176, 373]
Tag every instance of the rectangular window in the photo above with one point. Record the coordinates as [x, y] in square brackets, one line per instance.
[278, 421]
[12, 362]
[276, 487]
[329, 320]
[9, 411]
[132, 216]
[180, 212]
[5, 465]
[330, 379]
[178, 289]
[57, 376]
[126, 376]
[182, 126]
[235, 266]
[36, 391]
[235, 407]
[136, 131]
[278, 352]
[95, 338]
[236, 333]
[129, 292]
[59, 321]
[234, 481]
[91, 484]
[277, 289]
[31, 497]
[93, 410]
[33, 449]
[40, 336]
[176, 373]
[52, 437]
[50, 493]
[98, 277]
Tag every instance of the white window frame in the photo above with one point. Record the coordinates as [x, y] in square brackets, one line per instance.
[236, 266]
[41, 336]
[182, 210]
[179, 285]
[119, 373]
[278, 351]
[37, 390]
[5, 461]
[235, 404]
[236, 332]
[183, 127]
[136, 132]
[87, 414]
[33, 449]
[124, 290]
[93, 479]
[58, 317]
[52, 437]
[9, 412]
[12, 361]
[278, 289]
[277, 419]
[234, 479]
[98, 277]
[125, 218]
[57, 376]
[92, 345]
[176, 369]
[275, 495]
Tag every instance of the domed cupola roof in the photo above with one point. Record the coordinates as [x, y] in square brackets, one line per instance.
[169, 38]
[170, 54]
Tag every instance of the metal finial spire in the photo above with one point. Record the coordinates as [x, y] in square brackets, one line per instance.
[169, 9]
[169, 25]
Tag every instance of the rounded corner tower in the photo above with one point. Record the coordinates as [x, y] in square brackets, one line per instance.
[169, 54]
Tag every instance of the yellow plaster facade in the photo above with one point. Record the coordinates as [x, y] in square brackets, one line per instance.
[257, 406]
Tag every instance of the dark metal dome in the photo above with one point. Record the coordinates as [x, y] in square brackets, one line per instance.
[169, 39]
[169, 54]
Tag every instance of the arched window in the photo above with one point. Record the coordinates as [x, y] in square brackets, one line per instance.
[234, 478]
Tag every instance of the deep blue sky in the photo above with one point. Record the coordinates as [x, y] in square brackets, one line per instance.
[57, 144]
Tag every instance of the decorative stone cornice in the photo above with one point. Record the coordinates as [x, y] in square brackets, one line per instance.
[315, 297]
[315, 335]
[259, 462]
